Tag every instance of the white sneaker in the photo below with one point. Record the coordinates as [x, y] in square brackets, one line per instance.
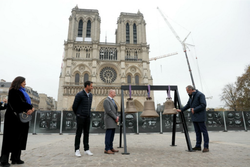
[77, 153]
[88, 152]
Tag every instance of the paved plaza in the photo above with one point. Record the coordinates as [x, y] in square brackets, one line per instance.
[226, 149]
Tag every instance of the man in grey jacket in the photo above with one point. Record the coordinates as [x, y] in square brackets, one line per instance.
[110, 120]
[197, 104]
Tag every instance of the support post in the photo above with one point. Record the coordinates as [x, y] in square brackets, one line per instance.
[124, 125]
[34, 130]
[61, 123]
[137, 123]
[184, 124]
[161, 132]
[120, 125]
[174, 130]
[243, 116]
[225, 123]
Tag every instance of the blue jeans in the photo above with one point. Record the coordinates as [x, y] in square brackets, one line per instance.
[201, 127]
[109, 137]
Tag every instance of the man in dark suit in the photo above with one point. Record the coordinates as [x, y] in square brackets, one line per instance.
[197, 103]
[81, 108]
[110, 120]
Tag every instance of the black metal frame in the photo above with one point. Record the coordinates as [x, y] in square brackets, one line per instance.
[177, 103]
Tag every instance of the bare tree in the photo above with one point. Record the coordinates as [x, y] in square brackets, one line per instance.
[229, 96]
[243, 90]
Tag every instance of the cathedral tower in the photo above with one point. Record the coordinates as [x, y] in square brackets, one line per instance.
[108, 65]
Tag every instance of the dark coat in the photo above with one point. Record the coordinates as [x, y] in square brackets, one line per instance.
[198, 102]
[3, 107]
[82, 104]
[15, 132]
[110, 114]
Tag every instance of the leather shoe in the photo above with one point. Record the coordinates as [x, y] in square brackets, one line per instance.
[197, 148]
[17, 162]
[113, 150]
[108, 152]
[205, 150]
[5, 164]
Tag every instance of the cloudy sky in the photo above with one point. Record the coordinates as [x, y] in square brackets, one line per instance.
[32, 34]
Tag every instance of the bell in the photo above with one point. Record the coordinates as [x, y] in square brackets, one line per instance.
[149, 109]
[169, 107]
[130, 106]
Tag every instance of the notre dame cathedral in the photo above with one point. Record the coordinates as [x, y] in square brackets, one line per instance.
[107, 65]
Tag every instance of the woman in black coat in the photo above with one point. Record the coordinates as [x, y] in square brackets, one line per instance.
[15, 132]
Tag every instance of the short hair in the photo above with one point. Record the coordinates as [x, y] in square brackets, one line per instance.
[16, 83]
[111, 90]
[87, 83]
[190, 87]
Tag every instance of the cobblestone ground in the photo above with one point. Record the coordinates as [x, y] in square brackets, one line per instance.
[226, 149]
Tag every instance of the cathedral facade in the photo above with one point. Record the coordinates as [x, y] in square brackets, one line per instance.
[107, 65]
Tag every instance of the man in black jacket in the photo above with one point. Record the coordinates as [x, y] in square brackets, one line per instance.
[197, 103]
[81, 108]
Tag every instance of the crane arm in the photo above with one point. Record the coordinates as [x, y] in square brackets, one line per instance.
[171, 28]
[159, 57]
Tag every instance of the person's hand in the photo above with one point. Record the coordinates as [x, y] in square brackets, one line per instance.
[4, 100]
[117, 119]
[29, 112]
[178, 110]
[33, 109]
[192, 110]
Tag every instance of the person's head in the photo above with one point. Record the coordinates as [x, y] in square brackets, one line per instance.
[112, 93]
[88, 85]
[190, 89]
[17, 83]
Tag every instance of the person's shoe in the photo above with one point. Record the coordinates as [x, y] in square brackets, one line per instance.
[205, 150]
[77, 153]
[88, 152]
[108, 152]
[113, 150]
[17, 162]
[5, 164]
[197, 148]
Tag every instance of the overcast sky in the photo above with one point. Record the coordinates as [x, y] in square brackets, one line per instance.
[32, 34]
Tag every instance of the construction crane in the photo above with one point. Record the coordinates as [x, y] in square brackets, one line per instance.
[159, 57]
[182, 43]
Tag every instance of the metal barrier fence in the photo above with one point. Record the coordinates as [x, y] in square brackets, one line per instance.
[65, 122]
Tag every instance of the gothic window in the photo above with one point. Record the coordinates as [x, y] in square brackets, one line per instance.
[108, 54]
[87, 53]
[77, 79]
[136, 55]
[137, 79]
[108, 74]
[88, 33]
[80, 26]
[127, 33]
[86, 77]
[77, 53]
[134, 33]
[128, 53]
[101, 54]
[129, 79]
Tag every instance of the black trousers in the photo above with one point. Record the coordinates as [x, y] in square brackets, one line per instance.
[109, 138]
[83, 124]
[200, 127]
[15, 156]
